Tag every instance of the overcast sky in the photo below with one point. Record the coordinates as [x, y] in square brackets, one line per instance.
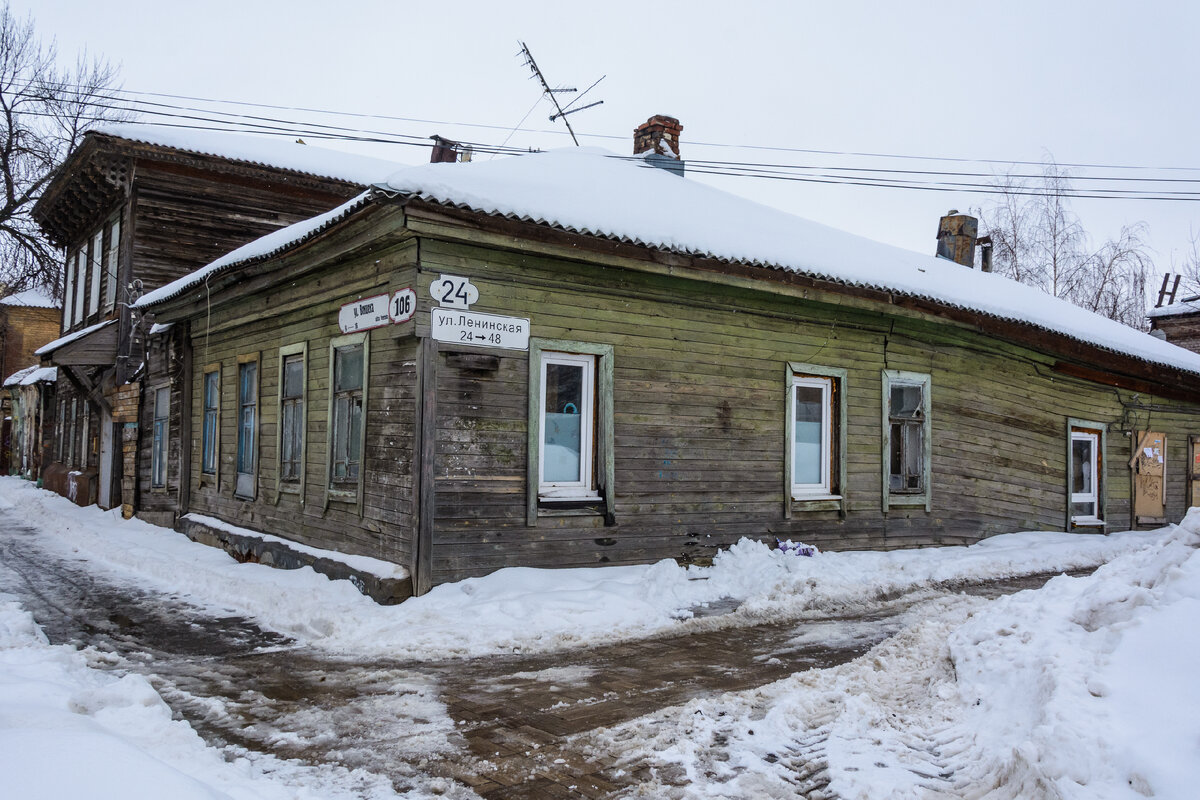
[1106, 83]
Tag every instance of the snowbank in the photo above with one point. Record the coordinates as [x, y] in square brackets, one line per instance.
[521, 609]
[1084, 688]
[70, 730]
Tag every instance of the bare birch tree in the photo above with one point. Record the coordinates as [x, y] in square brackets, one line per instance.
[44, 111]
[1038, 240]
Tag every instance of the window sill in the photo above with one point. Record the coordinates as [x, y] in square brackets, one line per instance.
[1087, 522]
[291, 488]
[818, 502]
[343, 495]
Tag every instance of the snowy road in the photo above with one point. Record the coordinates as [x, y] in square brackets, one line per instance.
[861, 676]
[538, 725]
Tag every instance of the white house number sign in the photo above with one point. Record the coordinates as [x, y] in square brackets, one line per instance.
[451, 291]
[377, 311]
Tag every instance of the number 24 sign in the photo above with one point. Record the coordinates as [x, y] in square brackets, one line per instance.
[451, 291]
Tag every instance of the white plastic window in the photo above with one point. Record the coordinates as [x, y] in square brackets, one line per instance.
[1085, 472]
[812, 428]
[567, 451]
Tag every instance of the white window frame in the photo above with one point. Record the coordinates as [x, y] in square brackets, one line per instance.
[80, 280]
[97, 256]
[824, 487]
[1094, 432]
[114, 259]
[584, 488]
[68, 292]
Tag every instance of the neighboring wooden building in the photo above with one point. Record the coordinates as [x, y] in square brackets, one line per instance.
[28, 320]
[564, 359]
[135, 207]
[29, 397]
[1178, 323]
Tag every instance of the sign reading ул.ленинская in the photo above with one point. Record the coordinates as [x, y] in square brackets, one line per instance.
[486, 330]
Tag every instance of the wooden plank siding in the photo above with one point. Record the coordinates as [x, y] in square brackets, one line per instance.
[699, 416]
[306, 312]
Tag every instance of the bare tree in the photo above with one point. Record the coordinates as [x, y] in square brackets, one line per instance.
[44, 111]
[1038, 240]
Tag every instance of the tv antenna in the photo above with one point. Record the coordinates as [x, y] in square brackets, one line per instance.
[561, 111]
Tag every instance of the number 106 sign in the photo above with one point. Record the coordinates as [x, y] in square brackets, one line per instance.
[402, 306]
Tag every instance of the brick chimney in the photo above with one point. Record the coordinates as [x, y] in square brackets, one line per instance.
[956, 237]
[657, 141]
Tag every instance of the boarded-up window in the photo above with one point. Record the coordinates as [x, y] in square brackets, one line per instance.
[1149, 474]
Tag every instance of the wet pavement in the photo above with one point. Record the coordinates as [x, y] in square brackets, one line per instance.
[495, 727]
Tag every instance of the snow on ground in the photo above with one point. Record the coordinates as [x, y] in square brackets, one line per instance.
[1083, 689]
[71, 730]
[530, 610]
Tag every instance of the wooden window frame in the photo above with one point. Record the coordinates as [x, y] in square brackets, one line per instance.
[296, 485]
[242, 361]
[112, 257]
[832, 496]
[73, 419]
[603, 500]
[155, 464]
[925, 496]
[60, 433]
[1098, 431]
[339, 492]
[213, 477]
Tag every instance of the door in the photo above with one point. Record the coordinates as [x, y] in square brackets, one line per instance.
[106, 459]
[1193, 470]
[1149, 484]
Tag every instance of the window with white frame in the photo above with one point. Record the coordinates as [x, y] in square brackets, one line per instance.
[571, 444]
[69, 292]
[247, 430]
[80, 282]
[158, 453]
[209, 427]
[812, 435]
[97, 257]
[291, 416]
[568, 403]
[907, 445]
[1085, 473]
[112, 257]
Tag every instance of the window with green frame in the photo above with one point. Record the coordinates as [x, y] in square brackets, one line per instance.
[907, 444]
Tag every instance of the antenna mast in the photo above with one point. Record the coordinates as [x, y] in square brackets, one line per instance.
[561, 111]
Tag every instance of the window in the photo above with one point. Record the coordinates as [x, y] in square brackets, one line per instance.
[158, 455]
[247, 431]
[346, 444]
[97, 255]
[71, 432]
[60, 431]
[1085, 474]
[568, 412]
[815, 468]
[80, 280]
[291, 417]
[210, 427]
[69, 270]
[906, 439]
[111, 260]
[570, 427]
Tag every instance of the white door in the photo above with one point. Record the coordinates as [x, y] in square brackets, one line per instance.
[106, 459]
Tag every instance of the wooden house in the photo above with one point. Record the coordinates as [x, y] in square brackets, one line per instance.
[28, 320]
[573, 358]
[135, 207]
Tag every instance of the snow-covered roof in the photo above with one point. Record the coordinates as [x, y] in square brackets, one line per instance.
[1189, 305]
[591, 191]
[30, 298]
[47, 349]
[32, 375]
[265, 151]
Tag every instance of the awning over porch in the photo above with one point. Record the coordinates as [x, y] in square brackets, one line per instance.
[92, 346]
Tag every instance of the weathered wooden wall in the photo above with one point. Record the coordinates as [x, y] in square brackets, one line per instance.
[1183, 330]
[306, 310]
[699, 400]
